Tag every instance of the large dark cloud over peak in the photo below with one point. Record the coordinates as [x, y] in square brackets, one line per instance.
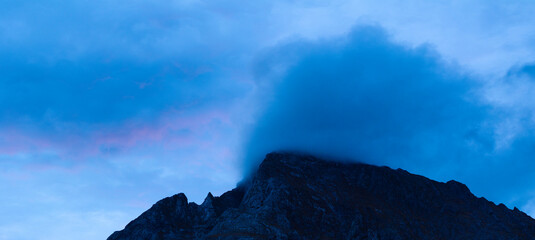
[364, 97]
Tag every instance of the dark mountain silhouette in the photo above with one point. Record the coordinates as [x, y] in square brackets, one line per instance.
[295, 196]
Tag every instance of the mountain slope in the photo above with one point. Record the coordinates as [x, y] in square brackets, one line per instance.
[302, 197]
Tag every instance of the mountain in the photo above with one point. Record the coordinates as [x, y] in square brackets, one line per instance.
[293, 196]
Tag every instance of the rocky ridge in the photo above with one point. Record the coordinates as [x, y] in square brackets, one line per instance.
[293, 196]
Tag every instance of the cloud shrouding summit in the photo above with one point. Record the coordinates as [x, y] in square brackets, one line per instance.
[366, 98]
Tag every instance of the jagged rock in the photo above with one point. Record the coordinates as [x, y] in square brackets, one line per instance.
[295, 196]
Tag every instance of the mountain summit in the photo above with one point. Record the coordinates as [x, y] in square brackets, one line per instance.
[294, 196]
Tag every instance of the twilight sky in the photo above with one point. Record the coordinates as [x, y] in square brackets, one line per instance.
[108, 106]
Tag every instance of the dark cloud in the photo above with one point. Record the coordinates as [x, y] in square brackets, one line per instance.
[528, 69]
[366, 98]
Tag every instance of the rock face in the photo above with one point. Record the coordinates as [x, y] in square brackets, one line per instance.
[302, 197]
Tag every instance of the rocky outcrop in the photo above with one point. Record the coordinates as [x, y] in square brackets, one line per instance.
[294, 196]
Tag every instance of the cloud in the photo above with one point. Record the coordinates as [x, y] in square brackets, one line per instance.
[366, 98]
[85, 78]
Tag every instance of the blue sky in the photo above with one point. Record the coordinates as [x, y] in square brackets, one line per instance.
[108, 106]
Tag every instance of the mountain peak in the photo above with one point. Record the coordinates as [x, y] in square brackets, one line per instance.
[299, 196]
[208, 199]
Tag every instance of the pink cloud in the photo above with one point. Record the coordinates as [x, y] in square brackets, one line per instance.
[173, 130]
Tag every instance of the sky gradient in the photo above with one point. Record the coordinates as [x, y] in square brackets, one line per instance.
[108, 106]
